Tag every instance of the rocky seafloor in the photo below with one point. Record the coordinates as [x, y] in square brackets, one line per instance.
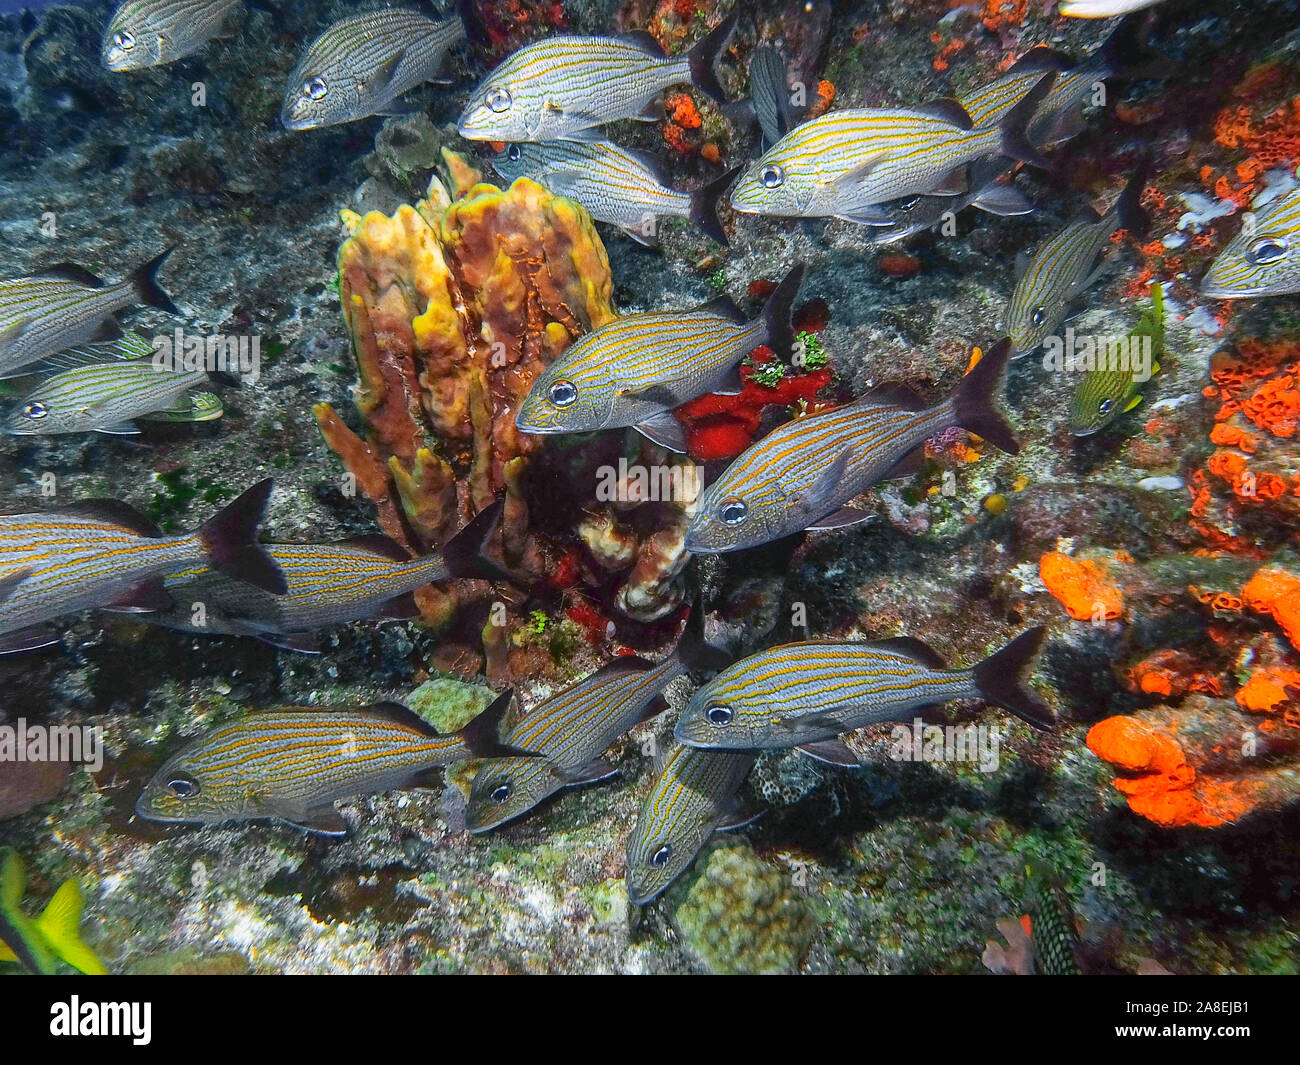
[898, 867]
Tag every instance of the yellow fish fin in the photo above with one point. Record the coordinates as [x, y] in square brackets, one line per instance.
[60, 924]
[1132, 403]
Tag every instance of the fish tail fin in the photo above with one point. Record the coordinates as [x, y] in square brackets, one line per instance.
[1127, 54]
[475, 30]
[1015, 126]
[229, 539]
[1128, 208]
[463, 553]
[975, 403]
[702, 56]
[60, 924]
[778, 312]
[146, 284]
[704, 205]
[1000, 679]
[693, 650]
[482, 735]
[220, 377]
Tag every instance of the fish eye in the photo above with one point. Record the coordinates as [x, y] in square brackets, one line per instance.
[563, 393]
[500, 793]
[719, 715]
[772, 177]
[498, 99]
[733, 512]
[315, 89]
[1106, 405]
[35, 409]
[514, 152]
[660, 857]
[184, 787]
[124, 40]
[1269, 250]
[1039, 316]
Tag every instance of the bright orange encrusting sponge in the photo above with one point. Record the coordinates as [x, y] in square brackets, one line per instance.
[1083, 587]
[1277, 593]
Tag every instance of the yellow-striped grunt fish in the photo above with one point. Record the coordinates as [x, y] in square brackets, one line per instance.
[558, 87]
[1103, 394]
[802, 693]
[844, 164]
[1103, 8]
[572, 729]
[694, 794]
[50, 312]
[103, 554]
[360, 66]
[1059, 117]
[149, 33]
[325, 584]
[39, 943]
[801, 475]
[625, 187]
[1264, 258]
[990, 188]
[635, 370]
[1065, 266]
[101, 388]
[293, 764]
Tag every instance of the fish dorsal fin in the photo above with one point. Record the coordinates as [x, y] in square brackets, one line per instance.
[114, 511]
[75, 273]
[911, 647]
[379, 545]
[622, 664]
[949, 110]
[724, 307]
[653, 709]
[893, 394]
[1040, 60]
[832, 752]
[644, 40]
[400, 715]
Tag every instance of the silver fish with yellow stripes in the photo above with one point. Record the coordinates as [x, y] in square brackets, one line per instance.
[1065, 266]
[844, 164]
[634, 370]
[694, 794]
[103, 554]
[102, 387]
[1103, 8]
[990, 188]
[558, 87]
[325, 584]
[362, 64]
[572, 729]
[625, 187]
[1114, 387]
[294, 764]
[1264, 258]
[801, 475]
[1060, 117]
[149, 33]
[47, 313]
[817, 690]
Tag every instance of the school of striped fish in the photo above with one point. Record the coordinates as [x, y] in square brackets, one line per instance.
[897, 171]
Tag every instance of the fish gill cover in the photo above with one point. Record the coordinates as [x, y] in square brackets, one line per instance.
[339, 445]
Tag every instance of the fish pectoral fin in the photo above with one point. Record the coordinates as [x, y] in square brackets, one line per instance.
[657, 392]
[740, 813]
[10, 581]
[191, 407]
[323, 820]
[1134, 402]
[869, 215]
[815, 502]
[143, 597]
[665, 430]
[119, 428]
[597, 769]
[832, 752]
[396, 107]
[32, 639]
[840, 519]
[379, 81]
